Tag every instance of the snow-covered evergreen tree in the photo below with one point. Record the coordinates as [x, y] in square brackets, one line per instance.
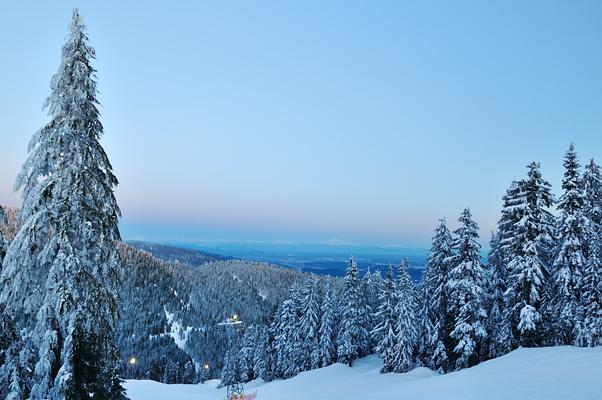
[247, 353]
[353, 337]
[405, 321]
[385, 333]
[590, 326]
[287, 342]
[527, 291]
[261, 355]
[371, 286]
[328, 328]
[309, 323]
[497, 278]
[231, 370]
[504, 248]
[437, 326]
[424, 328]
[64, 253]
[465, 295]
[570, 260]
[592, 192]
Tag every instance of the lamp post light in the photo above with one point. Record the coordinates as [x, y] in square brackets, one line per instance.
[205, 372]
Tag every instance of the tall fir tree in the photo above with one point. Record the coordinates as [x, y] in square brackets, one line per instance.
[353, 337]
[287, 341]
[504, 248]
[528, 288]
[246, 354]
[64, 251]
[309, 323]
[425, 327]
[592, 192]
[261, 355]
[590, 326]
[371, 286]
[497, 277]
[405, 320]
[589, 332]
[385, 333]
[438, 345]
[230, 373]
[569, 262]
[328, 328]
[465, 295]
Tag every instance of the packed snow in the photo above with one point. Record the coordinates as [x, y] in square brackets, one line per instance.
[524, 374]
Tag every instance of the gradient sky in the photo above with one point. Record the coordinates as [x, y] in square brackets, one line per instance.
[304, 121]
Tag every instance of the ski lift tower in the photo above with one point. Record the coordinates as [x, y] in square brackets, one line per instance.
[234, 390]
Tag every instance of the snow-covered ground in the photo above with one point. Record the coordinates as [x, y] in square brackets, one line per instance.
[179, 335]
[525, 374]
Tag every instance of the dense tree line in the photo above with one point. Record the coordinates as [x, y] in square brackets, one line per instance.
[196, 299]
[541, 286]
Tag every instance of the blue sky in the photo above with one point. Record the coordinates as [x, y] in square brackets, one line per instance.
[308, 121]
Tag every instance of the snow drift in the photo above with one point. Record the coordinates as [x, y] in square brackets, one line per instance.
[524, 374]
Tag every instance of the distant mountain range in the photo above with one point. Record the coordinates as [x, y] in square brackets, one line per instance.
[192, 257]
[322, 259]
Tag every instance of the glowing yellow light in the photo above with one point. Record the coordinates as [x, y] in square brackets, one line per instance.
[206, 366]
[133, 361]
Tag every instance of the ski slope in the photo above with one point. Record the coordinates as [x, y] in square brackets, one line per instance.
[525, 374]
